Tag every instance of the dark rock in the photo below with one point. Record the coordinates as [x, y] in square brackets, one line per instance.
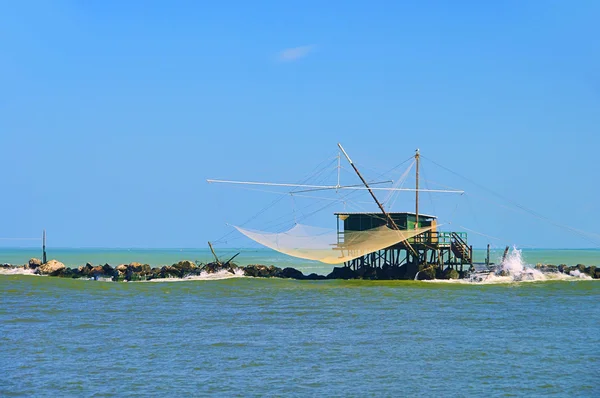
[154, 273]
[215, 267]
[563, 268]
[580, 267]
[370, 273]
[315, 277]
[169, 271]
[185, 267]
[393, 273]
[86, 270]
[411, 270]
[591, 271]
[262, 271]
[108, 270]
[426, 274]
[547, 268]
[68, 273]
[342, 273]
[450, 273]
[293, 273]
[140, 268]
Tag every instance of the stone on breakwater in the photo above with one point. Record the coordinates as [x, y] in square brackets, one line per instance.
[262, 271]
[34, 263]
[390, 272]
[547, 267]
[52, 268]
[86, 270]
[138, 271]
[185, 267]
[121, 268]
[426, 274]
[342, 273]
[293, 273]
[450, 273]
[315, 277]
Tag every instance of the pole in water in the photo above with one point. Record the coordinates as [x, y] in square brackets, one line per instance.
[44, 247]
[505, 253]
[487, 259]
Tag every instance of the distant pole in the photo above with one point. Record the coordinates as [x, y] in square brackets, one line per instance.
[487, 260]
[417, 158]
[44, 247]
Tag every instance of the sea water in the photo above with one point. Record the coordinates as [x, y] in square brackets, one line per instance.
[254, 337]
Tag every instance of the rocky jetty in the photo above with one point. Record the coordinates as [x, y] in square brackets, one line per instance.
[185, 269]
[575, 270]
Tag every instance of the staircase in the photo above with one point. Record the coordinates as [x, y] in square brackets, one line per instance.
[461, 249]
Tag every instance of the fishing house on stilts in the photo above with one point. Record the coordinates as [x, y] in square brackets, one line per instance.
[393, 245]
[443, 250]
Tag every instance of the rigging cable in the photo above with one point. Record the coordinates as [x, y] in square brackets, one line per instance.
[580, 233]
[277, 200]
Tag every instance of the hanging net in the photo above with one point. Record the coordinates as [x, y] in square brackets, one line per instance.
[326, 246]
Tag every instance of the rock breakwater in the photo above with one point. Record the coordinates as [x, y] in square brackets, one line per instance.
[189, 269]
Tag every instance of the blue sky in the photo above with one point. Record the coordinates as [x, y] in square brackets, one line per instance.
[113, 114]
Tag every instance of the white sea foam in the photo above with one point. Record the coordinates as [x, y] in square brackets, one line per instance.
[514, 269]
[205, 276]
[16, 271]
[578, 274]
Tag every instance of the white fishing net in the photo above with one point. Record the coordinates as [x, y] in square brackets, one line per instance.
[324, 245]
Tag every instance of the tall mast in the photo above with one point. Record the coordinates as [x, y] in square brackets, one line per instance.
[339, 166]
[387, 216]
[417, 158]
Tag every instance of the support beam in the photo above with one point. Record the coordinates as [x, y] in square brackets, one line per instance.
[389, 218]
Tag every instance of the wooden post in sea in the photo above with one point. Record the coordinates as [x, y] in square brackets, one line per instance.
[505, 253]
[487, 259]
[214, 254]
[44, 247]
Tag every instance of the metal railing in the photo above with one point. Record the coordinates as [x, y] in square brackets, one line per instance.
[441, 238]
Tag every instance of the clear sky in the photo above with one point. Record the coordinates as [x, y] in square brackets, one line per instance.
[113, 114]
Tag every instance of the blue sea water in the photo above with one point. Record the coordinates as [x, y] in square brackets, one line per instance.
[256, 337]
